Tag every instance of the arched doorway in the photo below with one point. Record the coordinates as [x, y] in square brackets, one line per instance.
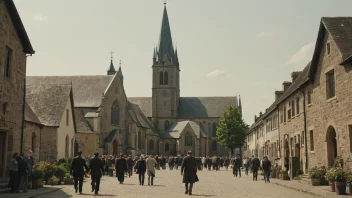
[331, 146]
[114, 147]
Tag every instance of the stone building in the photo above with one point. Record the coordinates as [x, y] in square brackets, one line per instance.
[183, 123]
[50, 130]
[14, 47]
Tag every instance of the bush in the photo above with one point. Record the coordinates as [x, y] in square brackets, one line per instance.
[315, 172]
[299, 172]
[284, 172]
[65, 163]
[48, 169]
[37, 173]
[60, 171]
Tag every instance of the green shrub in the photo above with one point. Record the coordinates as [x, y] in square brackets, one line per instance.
[48, 169]
[37, 173]
[60, 171]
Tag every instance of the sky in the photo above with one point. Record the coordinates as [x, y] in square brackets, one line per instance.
[225, 47]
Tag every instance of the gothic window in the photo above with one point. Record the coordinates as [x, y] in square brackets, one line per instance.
[167, 146]
[67, 145]
[166, 78]
[166, 125]
[161, 78]
[214, 129]
[214, 146]
[188, 139]
[151, 145]
[115, 113]
[139, 139]
[330, 84]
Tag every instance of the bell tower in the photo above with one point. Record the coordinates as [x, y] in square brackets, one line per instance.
[166, 74]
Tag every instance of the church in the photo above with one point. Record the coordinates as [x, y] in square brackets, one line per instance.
[109, 122]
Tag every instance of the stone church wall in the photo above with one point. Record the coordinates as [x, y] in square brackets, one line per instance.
[31, 139]
[88, 143]
[48, 144]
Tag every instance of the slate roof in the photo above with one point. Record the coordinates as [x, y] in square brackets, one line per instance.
[177, 128]
[48, 102]
[137, 115]
[30, 116]
[192, 107]
[87, 90]
[83, 126]
[17, 22]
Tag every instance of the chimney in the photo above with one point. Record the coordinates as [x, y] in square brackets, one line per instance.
[260, 114]
[286, 85]
[255, 118]
[266, 110]
[294, 75]
[278, 94]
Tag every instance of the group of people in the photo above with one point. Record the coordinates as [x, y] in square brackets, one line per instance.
[20, 169]
[122, 165]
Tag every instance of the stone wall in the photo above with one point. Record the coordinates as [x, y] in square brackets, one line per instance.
[31, 139]
[88, 143]
[11, 88]
[48, 144]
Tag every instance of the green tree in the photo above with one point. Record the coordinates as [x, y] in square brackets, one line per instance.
[231, 132]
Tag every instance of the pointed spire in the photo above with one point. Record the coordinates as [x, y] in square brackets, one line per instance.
[176, 57]
[240, 104]
[165, 40]
[111, 70]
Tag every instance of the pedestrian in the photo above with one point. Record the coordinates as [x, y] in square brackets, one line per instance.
[77, 170]
[189, 172]
[13, 172]
[226, 163]
[129, 165]
[121, 168]
[151, 169]
[255, 167]
[30, 161]
[23, 170]
[237, 166]
[266, 165]
[171, 162]
[96, 167]
[141, 167]
[246, 165]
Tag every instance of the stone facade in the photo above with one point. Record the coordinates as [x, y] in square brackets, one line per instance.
[48, 144]
[88, 143]
[32, 139]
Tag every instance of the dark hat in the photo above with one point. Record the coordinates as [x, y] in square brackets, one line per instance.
[96, 153]
[121, 154]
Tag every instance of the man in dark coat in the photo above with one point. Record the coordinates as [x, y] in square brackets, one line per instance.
[121, 168]
[255, 166]
[237, 166]
[141, 168]
[130, 165]
[77, 171]
[189, 172]
[96, 167]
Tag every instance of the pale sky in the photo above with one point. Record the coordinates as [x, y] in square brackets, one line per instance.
[225, 47]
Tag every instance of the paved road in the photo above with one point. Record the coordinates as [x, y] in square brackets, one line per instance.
[168, 184]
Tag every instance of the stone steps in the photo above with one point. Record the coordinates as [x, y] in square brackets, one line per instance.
[4, 184]
[305, 179]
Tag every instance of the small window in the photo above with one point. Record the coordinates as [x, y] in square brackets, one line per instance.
[166, 78]
[7, 66]
[330, 84]
[284, 113]
[328, 48]
[166, 125]
[293, 108]
[67, 117]
[297, 105]
[161, 78]
[311, 138]
[309, 96]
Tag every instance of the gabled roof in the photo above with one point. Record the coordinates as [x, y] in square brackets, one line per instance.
[340, 29]
[87, 90]
[177, 128]
[48, 102]
[30, 116]
[144, 103]
[83, 126]
[17, 22]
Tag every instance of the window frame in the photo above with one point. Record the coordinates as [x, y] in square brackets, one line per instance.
[8, 62]
[330, 84]
[311, 140]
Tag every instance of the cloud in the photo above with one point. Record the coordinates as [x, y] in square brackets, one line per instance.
[216, 73]
[303, 55]
[40, 17]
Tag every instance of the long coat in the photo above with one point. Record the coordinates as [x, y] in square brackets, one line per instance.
[77, 166]
[151, 162]
[141, 166]
[189, 170]
[121, 168]
[96, 167]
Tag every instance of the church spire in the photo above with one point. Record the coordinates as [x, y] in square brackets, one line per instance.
[165, 41]
[240, 104]
[111, 70]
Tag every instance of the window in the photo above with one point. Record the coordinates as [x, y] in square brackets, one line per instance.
[8, 55]
[34, 142]
[297, 105]
[330, 84]
[214, 129]
[328, 48]
[115, 113]
[350, 133]
[289, 113]
[166, 78]
[311, 138]
[281, 115]
[284, 113]
[302, 137]
[293, 108]
[309, 96]
[67, 142]
[139, 139]
[167, 146]
[166, 125]
[161, 78]
[299, 139]
[214, 146]
[188, 139]
[67, 117]
[151, 144]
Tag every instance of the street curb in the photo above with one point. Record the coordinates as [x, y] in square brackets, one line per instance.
[53, 190]
[299, 190]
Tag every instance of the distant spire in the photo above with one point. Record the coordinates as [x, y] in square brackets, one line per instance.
[240, 104]
[176, 57]
[111, 70]
[120, 64]
[165, 40]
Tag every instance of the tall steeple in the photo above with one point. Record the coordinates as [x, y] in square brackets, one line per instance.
[111, 70]
[240, 104]
[165, 49]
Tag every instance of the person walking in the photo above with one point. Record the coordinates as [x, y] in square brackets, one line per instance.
[13, 172]
[189, 172]
[246, 165]
[129, 165]
[141, 167]
[237, 166]
[226, 163]
[266, 165]
[121, 168]
[255, 167]
[76, 169]
[96, 167]
[23, 171]
[151, 163]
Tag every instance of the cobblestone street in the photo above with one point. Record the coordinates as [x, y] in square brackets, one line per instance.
[168, 184]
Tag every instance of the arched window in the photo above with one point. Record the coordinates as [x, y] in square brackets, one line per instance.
[166, 125]
[188, 139]
[161, 78]
[34, 142]
[214, 146]
[151, 145]
[67, 146]
[115, 113]
[167, 146]
[114, 147]
[139, 139]
[214, 129]
[166, 78]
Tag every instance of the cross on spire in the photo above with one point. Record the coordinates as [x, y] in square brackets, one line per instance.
[120, 64]
[111, 53]
[165, 3]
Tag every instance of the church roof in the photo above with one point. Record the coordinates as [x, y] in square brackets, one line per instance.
[30, 116]
[165, 40]
[48, 102]
[87, 90]
[83, 126]
[144, 103]
[177, 128]
[137, 116]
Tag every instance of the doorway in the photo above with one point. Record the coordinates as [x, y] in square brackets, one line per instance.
[331, 146]
[2, 152]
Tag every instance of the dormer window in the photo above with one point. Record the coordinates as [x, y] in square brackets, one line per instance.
[328, 48]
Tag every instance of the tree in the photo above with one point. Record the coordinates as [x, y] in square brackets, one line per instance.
[231, 132]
